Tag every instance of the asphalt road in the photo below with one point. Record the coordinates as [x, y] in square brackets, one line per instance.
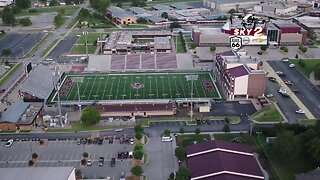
[63, 47]
[20, 44]
[309, 95]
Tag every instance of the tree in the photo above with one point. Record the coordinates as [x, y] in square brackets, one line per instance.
[181, 130]
[138, 128]
[226, 128]
[6, 52]
[232, 11]
[138, 147]
[34, 155]
[53, 3]
[175, 24]
[304, 50]
[16, 9]
[43, 1]
[138, 135]
[213, 48]
[197, 131]
[100, 5]
[25, 22]
[84, 14]
[78, 174]
[119, 5]
[138, 3]
[23, 4]
[183, 174]
[317, 73]
[180, 153]
[136, 170]
[90, 116]
[166, 132]
[263, 47]
[8, 17]
[165, 15]
[286, 50]
[58, 20]
[90, 141]
[296, 56]
[142, 21]
[30, 163]
[193, 46]
[83, 162]
[85, 154]
[138, 154]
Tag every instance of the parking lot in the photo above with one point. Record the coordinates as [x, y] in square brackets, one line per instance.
[308, 94]
[63, 47]
[168, 123]
[68, 153]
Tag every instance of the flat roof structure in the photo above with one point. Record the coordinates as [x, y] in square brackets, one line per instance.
[38, 173]
[119, 12]
[137, 10]
[309, 21]
[161, 7]
[14, 112]
[234, 1]
[217, 160]
[99, 63]
[180, 6]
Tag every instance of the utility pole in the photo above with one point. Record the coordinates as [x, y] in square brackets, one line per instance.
[191, 78]
[85, 33]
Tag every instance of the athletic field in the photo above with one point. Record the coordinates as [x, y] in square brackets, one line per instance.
[133, 86]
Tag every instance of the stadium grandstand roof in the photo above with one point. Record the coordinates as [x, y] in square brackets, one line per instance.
[39, 83]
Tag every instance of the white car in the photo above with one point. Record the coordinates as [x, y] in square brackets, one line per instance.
[49, 59]
[285, 60]
[166, 139]
[279, 72]
[89, 163]
[291, 65]
[269, 95]
[282, 90]
[131, 141]
[288, 82]
[9, 143]
[118, 130]
[300, 111]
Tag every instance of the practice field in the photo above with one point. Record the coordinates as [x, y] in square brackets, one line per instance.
[136, 86]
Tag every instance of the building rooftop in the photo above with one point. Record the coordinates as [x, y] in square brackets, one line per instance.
[137, 10]
[36, 173]
[161, 7]
[277, 5]
[238, 71]
[156, 19]
[309, 21]
[222, 160]
[39, 83]
[119, 12]
[234, 1]
[181, 6]
[14, 112]
[286, 25]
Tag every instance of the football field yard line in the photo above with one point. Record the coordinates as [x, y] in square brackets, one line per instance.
[124, 87]
[157, 87]
[143, 89]
[177, 92]
[203, 89]
[182, 86]
[93, 85]
[85, 88]
[118, 87]
[196, 87]
[169, 86]
[130, 85]
[150, 84]
[105, 87]
[98, 89]
[164, 91]
[111, 86]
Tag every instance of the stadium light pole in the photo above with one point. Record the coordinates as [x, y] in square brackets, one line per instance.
[78, 80]
[57, 88]
[85, 33]
[191, 78]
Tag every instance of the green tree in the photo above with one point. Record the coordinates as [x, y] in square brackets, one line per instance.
[138, 135]
[138, 128]
[54, 3]
[286, 50]
[136, 170]
[317, 71]
[181, 130]
[180, 153]
[183, 174]
[6, 52]
[83, 162]
[138, 147]
[165, 15]
[16, 9]
[100, 5]
[142, 21]
[119, 5]
[213, 48]
[34, 155]
[138, 3]
[78, 174]
[263, 47]
[197, 131]
[8, 17]
[90, 141]
[43, 1]
[296, 56]
[175, 24]
[226, 128]
[23, 4]
[138, 154]
[90, 116]
[193, 46]
[25, 21]
[304, 50]
[84, 14]
[58, 20]
[166, 132]
[232, 11]
[85, 154]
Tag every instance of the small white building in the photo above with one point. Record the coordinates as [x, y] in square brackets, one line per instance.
[4, 3]
[275, 8]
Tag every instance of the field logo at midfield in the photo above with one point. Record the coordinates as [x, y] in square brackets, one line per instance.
[137, 85]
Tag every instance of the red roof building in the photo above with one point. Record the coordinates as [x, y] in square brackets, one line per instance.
[221, 160]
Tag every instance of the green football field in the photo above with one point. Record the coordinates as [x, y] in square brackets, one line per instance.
[133, 86]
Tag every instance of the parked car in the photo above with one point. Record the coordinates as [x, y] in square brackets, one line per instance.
[101, 161]
[279, 73]
[288, 82]
[285, 60]
[130, 154]
[299, 111]
[118, 130]
[131, 141]
[9, 143]
[113, 162]
[269, 95]
[89, 162]
[272, 79]
[292, 65]
[208, 121]
[100, 141]
[123, 176]
[166, 139]
[2, 90]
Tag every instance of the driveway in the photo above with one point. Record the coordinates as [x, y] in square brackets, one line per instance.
[308, 94]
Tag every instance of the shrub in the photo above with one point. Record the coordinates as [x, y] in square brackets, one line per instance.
[30, 163]
[85, 154]
[213, 48]
[25, 22]
[138, 147]
[32, 10]
[193, 46]
[90, 141]
[138, 135]
[166, 132]
[138, 128]
[41, 142]
[197, 131]
[34, 155]
[83, 162]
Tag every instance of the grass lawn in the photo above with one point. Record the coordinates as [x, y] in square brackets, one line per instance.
[311, 122]
[186, 140]
[188, 41]
[73, 22]
[309, 66]
[49, 48]
[145, 122]
[135, 86]
[91, 38]
[81, 49]
[68, 10]
[9, 73]
[99, 23]
[267, 115]
[244, 138]
[178, 44]
[39, 44]
[135, 26]
[78, 127]
[62, 22]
